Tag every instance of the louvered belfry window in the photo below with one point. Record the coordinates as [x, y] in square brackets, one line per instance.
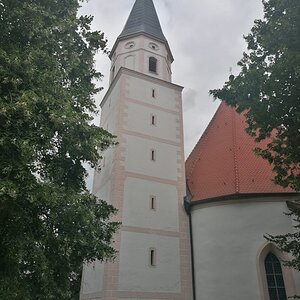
[152, 64]
[275, 278]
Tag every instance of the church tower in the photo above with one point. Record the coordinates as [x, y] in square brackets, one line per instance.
[144, 175]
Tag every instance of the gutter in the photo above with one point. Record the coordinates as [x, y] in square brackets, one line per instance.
[187, 207]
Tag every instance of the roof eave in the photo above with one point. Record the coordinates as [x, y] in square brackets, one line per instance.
[239, 196]
[125, 37]
[123, 70]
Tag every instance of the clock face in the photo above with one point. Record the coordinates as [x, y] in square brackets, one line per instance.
[153, 46]
[129, 45]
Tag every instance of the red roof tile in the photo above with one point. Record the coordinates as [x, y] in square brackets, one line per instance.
[223, 163]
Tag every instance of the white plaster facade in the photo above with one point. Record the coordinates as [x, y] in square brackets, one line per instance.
[144, 110]
[134, 53]
[227, 239]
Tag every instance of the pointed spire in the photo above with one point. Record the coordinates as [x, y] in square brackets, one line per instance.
[143, 19]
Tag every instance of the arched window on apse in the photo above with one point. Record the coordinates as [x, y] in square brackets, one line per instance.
[275, 281]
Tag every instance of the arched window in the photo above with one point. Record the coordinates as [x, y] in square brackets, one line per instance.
[275, 280]
[268, 263]
[152, 64]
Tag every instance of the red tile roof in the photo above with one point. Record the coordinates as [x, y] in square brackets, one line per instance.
[223, 163]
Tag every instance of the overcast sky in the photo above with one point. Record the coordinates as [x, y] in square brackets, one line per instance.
[206, 39]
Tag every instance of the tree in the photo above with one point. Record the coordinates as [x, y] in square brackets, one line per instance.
[268, 90]
[49, 223]
[290, 242]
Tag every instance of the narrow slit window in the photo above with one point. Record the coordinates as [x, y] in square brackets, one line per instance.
[275, 279]
[152, 257]
[152, 202]
[153, 155]
[153, 120]
[152, 64]
[153, 93]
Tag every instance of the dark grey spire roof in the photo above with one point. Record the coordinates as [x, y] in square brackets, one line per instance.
[143, 19]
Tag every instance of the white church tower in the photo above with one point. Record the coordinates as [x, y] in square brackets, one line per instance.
[144, 176]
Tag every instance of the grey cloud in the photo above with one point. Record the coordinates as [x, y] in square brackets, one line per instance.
[190, 98]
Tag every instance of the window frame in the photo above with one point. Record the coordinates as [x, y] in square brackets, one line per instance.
[153, 155]
[287, 273]
[274, 276]
[153, 93]
[152, 64]
[153, 120]
[152, 203]
[152, 257]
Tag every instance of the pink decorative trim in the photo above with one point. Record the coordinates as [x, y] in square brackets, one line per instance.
[150, 231]
[91, 296]
[151, 178]
[150, 137]
[139, 102]
[111, 270]
[143, 295]
[246, 200]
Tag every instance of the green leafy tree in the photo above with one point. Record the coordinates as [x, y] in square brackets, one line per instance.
[268, 87]
[268, 90]
[290, 242]
[49, 223]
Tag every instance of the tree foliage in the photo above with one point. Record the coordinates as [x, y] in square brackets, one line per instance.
[49, 223]
[268, 87]
[268, 90]
[290, 242]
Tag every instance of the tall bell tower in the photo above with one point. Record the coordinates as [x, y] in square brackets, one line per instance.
[143, 177]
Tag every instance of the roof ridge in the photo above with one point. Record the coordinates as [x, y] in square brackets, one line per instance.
[235, 153]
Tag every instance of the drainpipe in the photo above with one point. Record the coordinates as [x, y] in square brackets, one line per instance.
[187, 207]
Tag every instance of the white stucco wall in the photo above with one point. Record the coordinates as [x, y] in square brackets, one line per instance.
[135, 272]
[139, 54]
[138, 158]
[136, 205]
[128, 179]
[140, 121]
[104, 193]
[108, 121]
[227, 239]
[106, 165]
[141, 89]
[109, 111]
[92, 278]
